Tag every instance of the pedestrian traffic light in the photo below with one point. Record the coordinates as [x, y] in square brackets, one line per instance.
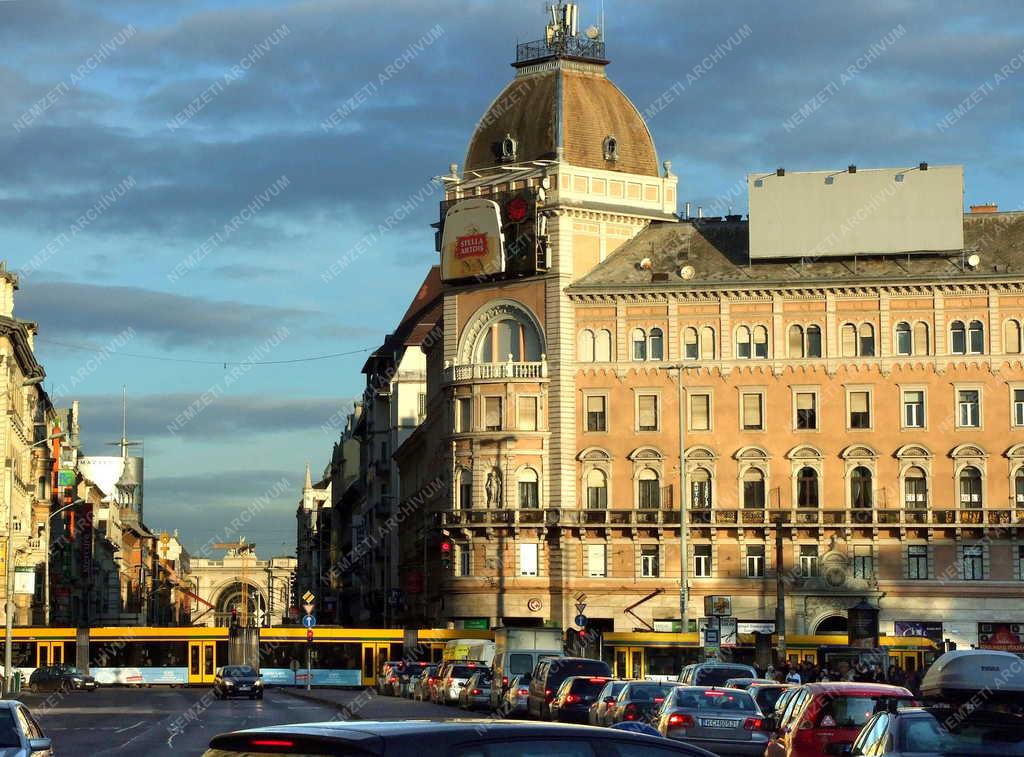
[446, 554]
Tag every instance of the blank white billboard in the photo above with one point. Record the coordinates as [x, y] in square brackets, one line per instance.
[871, 211]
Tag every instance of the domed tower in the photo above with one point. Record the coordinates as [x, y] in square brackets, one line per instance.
[560, 171]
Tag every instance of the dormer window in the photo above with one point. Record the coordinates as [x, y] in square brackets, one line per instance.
[509, 148]
[611, 148]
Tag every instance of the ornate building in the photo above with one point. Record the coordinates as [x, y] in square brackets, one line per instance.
[629, 398]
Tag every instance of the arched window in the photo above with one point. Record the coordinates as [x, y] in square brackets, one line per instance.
[657, 341]
[700, 489]
[753, 488]
[743, 343]
[603, 346]
[904, 339]
[597, 489]
[922, 344]
[1011, 337]
[807, 487]
[796, 341]
[639, 339]
[1018, 487]
[465, 489]
[813, 341]
[866, 343]
[691, 345]
[970, 487]
[860, 488]
[649, 489]
[585, 347]
[707, 343]
[957, 338]
[915, 487]
[848, 336]
[976, 337]
[760, 342]
[508, 338]
[529, 489]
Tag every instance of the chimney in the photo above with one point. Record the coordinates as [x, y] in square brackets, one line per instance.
[988, 207]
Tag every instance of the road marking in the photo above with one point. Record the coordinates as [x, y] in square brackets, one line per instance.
[122, 730]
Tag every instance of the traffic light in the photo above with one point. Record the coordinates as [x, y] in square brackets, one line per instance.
[446, 554]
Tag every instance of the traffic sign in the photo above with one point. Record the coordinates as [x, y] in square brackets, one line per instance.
[309, 621]
[308, 596]
[308, 607]
[580, 607]
[711, 637]
[309, 634]
[581, 620]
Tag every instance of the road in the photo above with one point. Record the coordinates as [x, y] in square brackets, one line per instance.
[163, 721]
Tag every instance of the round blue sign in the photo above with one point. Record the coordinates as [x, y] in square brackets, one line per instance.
[309, 621]
[581, 620]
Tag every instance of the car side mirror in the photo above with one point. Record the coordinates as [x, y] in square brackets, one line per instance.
[39, 745]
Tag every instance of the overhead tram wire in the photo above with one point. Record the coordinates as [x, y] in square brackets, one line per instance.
[196, 361]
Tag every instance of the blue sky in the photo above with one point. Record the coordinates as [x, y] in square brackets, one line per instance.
[108, 185]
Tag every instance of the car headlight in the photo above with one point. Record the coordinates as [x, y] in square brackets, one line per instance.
[229, 683]
[259, 682]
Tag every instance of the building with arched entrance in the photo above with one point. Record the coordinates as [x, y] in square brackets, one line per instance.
[241, 586]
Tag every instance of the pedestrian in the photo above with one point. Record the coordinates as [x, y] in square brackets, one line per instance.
[793, 677]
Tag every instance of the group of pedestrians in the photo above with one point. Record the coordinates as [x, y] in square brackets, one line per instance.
[810, 672]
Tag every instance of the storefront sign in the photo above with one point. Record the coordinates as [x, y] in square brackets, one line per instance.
[718, 605]
[24, 580]
[472, 243]
[1006, 637]
[66, 478]
[477, 624]
[926, 629]
[756, 626]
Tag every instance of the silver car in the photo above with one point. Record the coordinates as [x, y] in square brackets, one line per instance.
[20, 734]
[724, 721]
[513, 701]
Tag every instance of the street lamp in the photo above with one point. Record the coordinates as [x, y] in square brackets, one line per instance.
[684, 589]
[9, 604]
[46, 562]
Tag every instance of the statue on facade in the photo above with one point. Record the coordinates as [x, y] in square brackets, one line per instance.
[493, 488]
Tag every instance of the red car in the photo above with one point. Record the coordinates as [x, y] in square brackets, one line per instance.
[822, 717]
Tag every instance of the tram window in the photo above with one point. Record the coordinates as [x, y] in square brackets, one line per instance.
[334, 656]
[368, 662]
[23, 654]
[667, 662]
[397, 652]
[207, 660]
[194, 663]
[71, 652]
[279, 654]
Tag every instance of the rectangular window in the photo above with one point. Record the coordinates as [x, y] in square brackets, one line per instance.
[753, 412]
[860, 409]
[597, 413]
[755, 561]
[649, 491]
[863, 561]
[649, 567]
[700, 412]
[463, 563]
[492, 413]
[1018, 407]
[464, 414]
[527, 559]
[917, 562]
[913, 409]
[702, 560]
[527, 413]
[969, 408]
[421, 405]
[974, 563]
[806, 411]
[529, 495]
[808, 560]
[647, 411]
[597, 565]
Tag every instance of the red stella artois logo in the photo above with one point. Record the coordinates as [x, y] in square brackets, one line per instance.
[470, 246]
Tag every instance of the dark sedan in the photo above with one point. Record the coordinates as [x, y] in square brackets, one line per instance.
[60, 678]
[453, 738]
[237, 681]
[638, 700]
[573, 699]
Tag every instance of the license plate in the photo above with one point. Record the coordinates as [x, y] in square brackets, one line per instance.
[718, 723]
[243, 688]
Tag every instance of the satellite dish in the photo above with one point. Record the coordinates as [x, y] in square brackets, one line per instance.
[974, 260]
[593, 32]
[687, 272]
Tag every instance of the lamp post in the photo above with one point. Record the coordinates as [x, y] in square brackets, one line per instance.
[684, 589]
[46, 562]
[9, 551]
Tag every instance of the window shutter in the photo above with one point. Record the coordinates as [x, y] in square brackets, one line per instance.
[751, 410]
[921, 345]
[805, 401]
[849, 340]
[528, 413]
[858, 402]
[700, 412]
[707, 343]
[527, 559]
[493, 419]
[596, 565]
[648, 407]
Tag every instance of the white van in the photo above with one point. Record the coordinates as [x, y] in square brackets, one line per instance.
[517, 652]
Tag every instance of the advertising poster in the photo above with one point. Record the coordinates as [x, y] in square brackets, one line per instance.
[1006, 637]
[928, 629]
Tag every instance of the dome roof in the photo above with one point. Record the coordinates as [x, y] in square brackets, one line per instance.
[567, 108]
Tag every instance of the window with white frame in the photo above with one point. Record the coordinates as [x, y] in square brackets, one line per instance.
[1018, 407]
[465, 489]
[915, 487]
[970, 487]
[707, 343]
[968, 403]
[647, 412]
[527, 413]
[809, 560]
[760, 342]
[649, 563]
[529, 489]
[597, 560]
[807, 487]
[639, 341]
[917, 562]
[597, 489]
[597, 412]
[649, 490]
[700, 489]
[492, 413]
[752, 411]
[904, 339]
[753, 489]
[866, 340]
[913, 408]
[860, 409]
[528, 559]
[976, 337]
[755, 561]
[743, 343]
[1018, 487]
[702, 560]
[806, 411]
[700, 412]
[863, 561]
[813, 337]
[691, 343]
[656, 341]
[861, 488]
[464, 414]
[973, 562]
[463, 562]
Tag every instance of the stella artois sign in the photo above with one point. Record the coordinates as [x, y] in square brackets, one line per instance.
[472, 244]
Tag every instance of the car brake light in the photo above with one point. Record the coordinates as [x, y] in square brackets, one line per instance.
[753, 724]
[430, 680]
[524, 692]
[548, 694]
[572, 699]
[659, 700]
[599, 680]
[393, 679]
[631, 712]
[675, 720]
[504, 680]
[271, 742]
[476, 692]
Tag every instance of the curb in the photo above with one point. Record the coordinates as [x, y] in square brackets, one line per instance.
[311, 697]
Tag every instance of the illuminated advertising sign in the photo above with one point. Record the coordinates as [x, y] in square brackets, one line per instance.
[472, 243]
[1006, 637]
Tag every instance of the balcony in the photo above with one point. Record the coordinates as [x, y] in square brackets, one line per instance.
[558, 517]
[507, 371]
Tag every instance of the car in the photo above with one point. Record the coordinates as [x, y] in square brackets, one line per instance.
[453, 680]
[714, 673]
[457, 738]
[939, 730]
[744, 683]
[550, 673]
[422, 683]
[767, 695]
[828, 714]
[513, 701]
[598, 712]
[638, 701]
[723, 721]
[20, 733]
[406, 673]
[60, 678]
[388, 677]
[573, 699]
[237, 681]
[476, 694]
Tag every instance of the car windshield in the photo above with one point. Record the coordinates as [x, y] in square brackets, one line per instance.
[648, 692]
[977, 733]
[236, 671]
[70, 671]
[8, 731]
[717, 676]
[587, 686]
[766, 697]
[461, 671]
[847, 712]
[714, 699]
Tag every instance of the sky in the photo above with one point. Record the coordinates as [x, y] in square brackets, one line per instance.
[190, 185]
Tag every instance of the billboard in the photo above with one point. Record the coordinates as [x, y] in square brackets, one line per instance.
[472, 244]
[1006, 637]
[856, 212]
[927, 629]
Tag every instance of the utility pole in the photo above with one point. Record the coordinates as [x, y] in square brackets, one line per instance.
[684, 578]
[780, 589]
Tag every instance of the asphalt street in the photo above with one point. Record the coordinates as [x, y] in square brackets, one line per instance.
[164, 721]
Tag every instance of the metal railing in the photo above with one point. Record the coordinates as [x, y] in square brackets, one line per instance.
[486, 371]
[572, 47]
[858, 516]
[557, 517]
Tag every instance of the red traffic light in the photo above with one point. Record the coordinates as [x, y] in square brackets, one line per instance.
[446, 546]
[516, 209]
